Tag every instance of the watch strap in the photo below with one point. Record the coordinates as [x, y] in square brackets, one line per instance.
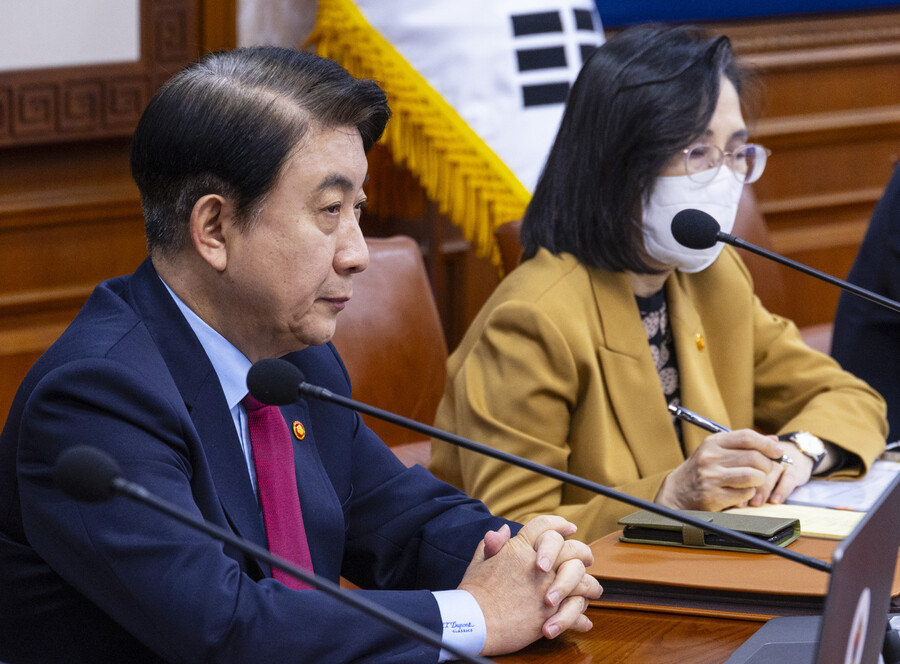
[817, 459]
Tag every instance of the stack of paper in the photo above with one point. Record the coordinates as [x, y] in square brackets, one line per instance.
[814, 521]
[832, 508]
[857, 495]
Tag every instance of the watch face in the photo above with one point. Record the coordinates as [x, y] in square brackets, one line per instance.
[809, 443]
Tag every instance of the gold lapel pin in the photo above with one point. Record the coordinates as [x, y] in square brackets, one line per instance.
[700, 340]
[299, 430]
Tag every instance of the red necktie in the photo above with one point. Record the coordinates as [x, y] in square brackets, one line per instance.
[273, 456]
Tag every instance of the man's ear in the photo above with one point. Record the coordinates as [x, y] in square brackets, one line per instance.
[211, 219]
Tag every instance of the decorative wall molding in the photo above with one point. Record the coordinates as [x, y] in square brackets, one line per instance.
[98, 101]
[781, 37]
[27, 343]
[68, 206]
[830, 126]
[822, 202]
[843, 234]
[825, 57]
[55, 247]
[64, 298]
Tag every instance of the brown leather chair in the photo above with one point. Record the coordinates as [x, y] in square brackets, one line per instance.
[768, 277]
[507, 236]
[392, 342]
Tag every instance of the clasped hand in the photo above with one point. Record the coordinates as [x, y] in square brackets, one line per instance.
[735, 468]
[532, 584]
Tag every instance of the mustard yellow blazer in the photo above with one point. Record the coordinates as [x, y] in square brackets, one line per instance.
[557, 368]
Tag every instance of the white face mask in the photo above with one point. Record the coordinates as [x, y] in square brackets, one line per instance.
[671, 195]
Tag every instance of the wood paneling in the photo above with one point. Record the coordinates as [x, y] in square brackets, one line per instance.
[831, 115]
[69, 212]
[53, 251]
[218, 25]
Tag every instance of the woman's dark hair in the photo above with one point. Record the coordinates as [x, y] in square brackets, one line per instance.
[647, 93]
[227, 123]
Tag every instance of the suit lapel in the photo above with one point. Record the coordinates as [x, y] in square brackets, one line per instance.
[323, 519]
[634, 389]
[199, 387]
[226, 459]
[695, 368]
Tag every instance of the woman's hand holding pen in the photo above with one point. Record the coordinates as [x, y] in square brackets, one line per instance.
[728, 469]
[782, 481]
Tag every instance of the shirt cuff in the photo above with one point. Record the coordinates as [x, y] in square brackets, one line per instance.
[464, 626]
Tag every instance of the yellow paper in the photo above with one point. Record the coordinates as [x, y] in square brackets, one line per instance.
[814, 521]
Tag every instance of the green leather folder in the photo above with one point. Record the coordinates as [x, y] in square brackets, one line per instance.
[648, 528]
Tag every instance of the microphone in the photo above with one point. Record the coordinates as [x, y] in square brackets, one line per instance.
[277, 382]
[696, 229]
[89, 474]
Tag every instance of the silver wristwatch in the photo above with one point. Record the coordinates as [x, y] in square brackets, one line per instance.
[811, 445]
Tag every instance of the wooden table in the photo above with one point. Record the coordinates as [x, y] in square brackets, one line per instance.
[642, 637]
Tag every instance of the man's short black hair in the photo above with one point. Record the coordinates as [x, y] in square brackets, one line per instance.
[226, 125]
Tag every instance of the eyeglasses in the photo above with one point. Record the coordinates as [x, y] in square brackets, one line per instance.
[747, 163]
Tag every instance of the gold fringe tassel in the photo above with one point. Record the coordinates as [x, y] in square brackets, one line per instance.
[470, 184]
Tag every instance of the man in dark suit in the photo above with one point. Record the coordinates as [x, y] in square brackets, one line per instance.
[251, 166]
[865, 339]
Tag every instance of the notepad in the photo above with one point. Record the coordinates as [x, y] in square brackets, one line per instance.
[820, 522]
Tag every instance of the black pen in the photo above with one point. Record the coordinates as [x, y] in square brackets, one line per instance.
[704, 423]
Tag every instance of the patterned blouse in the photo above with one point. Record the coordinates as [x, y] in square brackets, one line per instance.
[655, 318]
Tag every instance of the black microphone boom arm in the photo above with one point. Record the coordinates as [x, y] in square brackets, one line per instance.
[696, 229]
[800, 267]
[72, 462]
[318, 392]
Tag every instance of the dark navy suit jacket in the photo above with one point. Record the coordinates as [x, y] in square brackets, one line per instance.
[866, 338]
[117, 581]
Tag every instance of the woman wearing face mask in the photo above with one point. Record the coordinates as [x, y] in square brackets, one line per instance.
[574, 359]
